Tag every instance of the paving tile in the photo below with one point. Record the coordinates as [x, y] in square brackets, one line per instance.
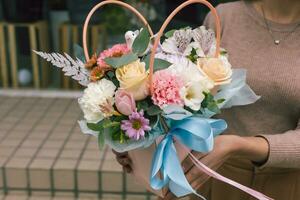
[12, 181]
[53, 144]
[11, 142]
[136, 197]
[92, 154]
[40, 198]
[112, 181]
[111, 166]
[75, 145]
[89, 165]
[40, 179]
[70, 153]
[42, 163]
[32, 143]
[132, 185]
[47, 153]
[15, 197]
[25, 152]
[64, 174]
[88, 180]
[86, 196]
[111, 197]
[1, 180]
[6, 150]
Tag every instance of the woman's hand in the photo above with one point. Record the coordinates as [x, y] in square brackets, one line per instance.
[225, 146]
[124, 160]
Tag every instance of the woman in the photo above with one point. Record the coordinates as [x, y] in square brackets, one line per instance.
[261, 148]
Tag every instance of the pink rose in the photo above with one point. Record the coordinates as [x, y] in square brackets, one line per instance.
[125, 102]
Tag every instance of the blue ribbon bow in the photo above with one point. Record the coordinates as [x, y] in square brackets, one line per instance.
[196, 134]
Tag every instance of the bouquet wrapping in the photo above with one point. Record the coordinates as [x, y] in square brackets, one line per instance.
[155, 95]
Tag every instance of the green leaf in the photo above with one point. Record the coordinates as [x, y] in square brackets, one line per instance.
[142, 105]
[101, 140]
[159, 64]
[169, 33]
[220, 101]
[111, 124]
[213, 107]
[154, 110]
[193, 56]
[78, 52]
[95, 127]
[121, 61]
[141, 42]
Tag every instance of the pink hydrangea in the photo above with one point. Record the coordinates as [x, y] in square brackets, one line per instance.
[117, 50]
[166, 87]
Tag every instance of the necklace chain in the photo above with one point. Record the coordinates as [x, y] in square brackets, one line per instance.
[277, 41]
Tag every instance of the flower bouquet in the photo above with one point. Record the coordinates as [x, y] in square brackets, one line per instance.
[156, 98]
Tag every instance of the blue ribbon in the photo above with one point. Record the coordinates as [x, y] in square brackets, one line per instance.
[196, 134]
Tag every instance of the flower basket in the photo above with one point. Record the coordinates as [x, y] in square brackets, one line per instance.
[156, 100]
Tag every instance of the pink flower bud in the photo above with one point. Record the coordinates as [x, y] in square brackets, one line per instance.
[125, 102]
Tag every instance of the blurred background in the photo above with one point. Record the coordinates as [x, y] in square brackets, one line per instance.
[43, 154]
[56, 25]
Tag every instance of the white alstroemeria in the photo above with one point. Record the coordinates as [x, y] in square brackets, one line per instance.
[179, 42]
[192, 95]
[97, 100]
[206, 39]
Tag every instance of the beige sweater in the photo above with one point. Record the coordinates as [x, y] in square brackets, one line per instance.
[273, 73]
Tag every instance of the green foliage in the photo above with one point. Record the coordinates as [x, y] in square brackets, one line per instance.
[154, 110]
[193, 56]
[142, 105]
[159, 64]
[210, 103]
[78, 52]
[141, 42]
[121, 61]
[170, 33]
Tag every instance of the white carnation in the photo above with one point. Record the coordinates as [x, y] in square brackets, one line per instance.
[97, 94]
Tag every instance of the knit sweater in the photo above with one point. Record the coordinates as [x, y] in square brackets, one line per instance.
[273, 72]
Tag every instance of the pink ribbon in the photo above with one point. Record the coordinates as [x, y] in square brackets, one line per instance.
[217, 176]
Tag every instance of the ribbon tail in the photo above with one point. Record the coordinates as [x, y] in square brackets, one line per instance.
[157, 165]
[215, 175]
[178, 184]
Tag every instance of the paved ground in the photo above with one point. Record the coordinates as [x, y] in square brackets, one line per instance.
[42, 151]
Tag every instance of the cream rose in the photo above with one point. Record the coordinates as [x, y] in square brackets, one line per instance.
[217, 69]
[133, 78]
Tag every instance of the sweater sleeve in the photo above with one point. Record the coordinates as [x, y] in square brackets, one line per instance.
[284, 149]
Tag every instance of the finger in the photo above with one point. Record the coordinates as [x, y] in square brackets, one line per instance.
[127, 169]
[195, 174]
[124, 161]
[187, 164]
[198, 184]
[169, 196]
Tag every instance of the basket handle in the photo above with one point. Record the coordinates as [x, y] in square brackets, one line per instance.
[120, 3]
[171, 16]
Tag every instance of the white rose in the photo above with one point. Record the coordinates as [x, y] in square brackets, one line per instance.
[217, 69]
[96, 96]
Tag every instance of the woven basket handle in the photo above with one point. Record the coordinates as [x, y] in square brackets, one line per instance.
[120, 3]
[171, 16]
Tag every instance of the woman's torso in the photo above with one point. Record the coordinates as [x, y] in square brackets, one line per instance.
[273, 72]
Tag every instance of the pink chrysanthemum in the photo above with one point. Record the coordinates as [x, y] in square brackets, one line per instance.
[166, 87]
[117, 50]
[136, 126]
